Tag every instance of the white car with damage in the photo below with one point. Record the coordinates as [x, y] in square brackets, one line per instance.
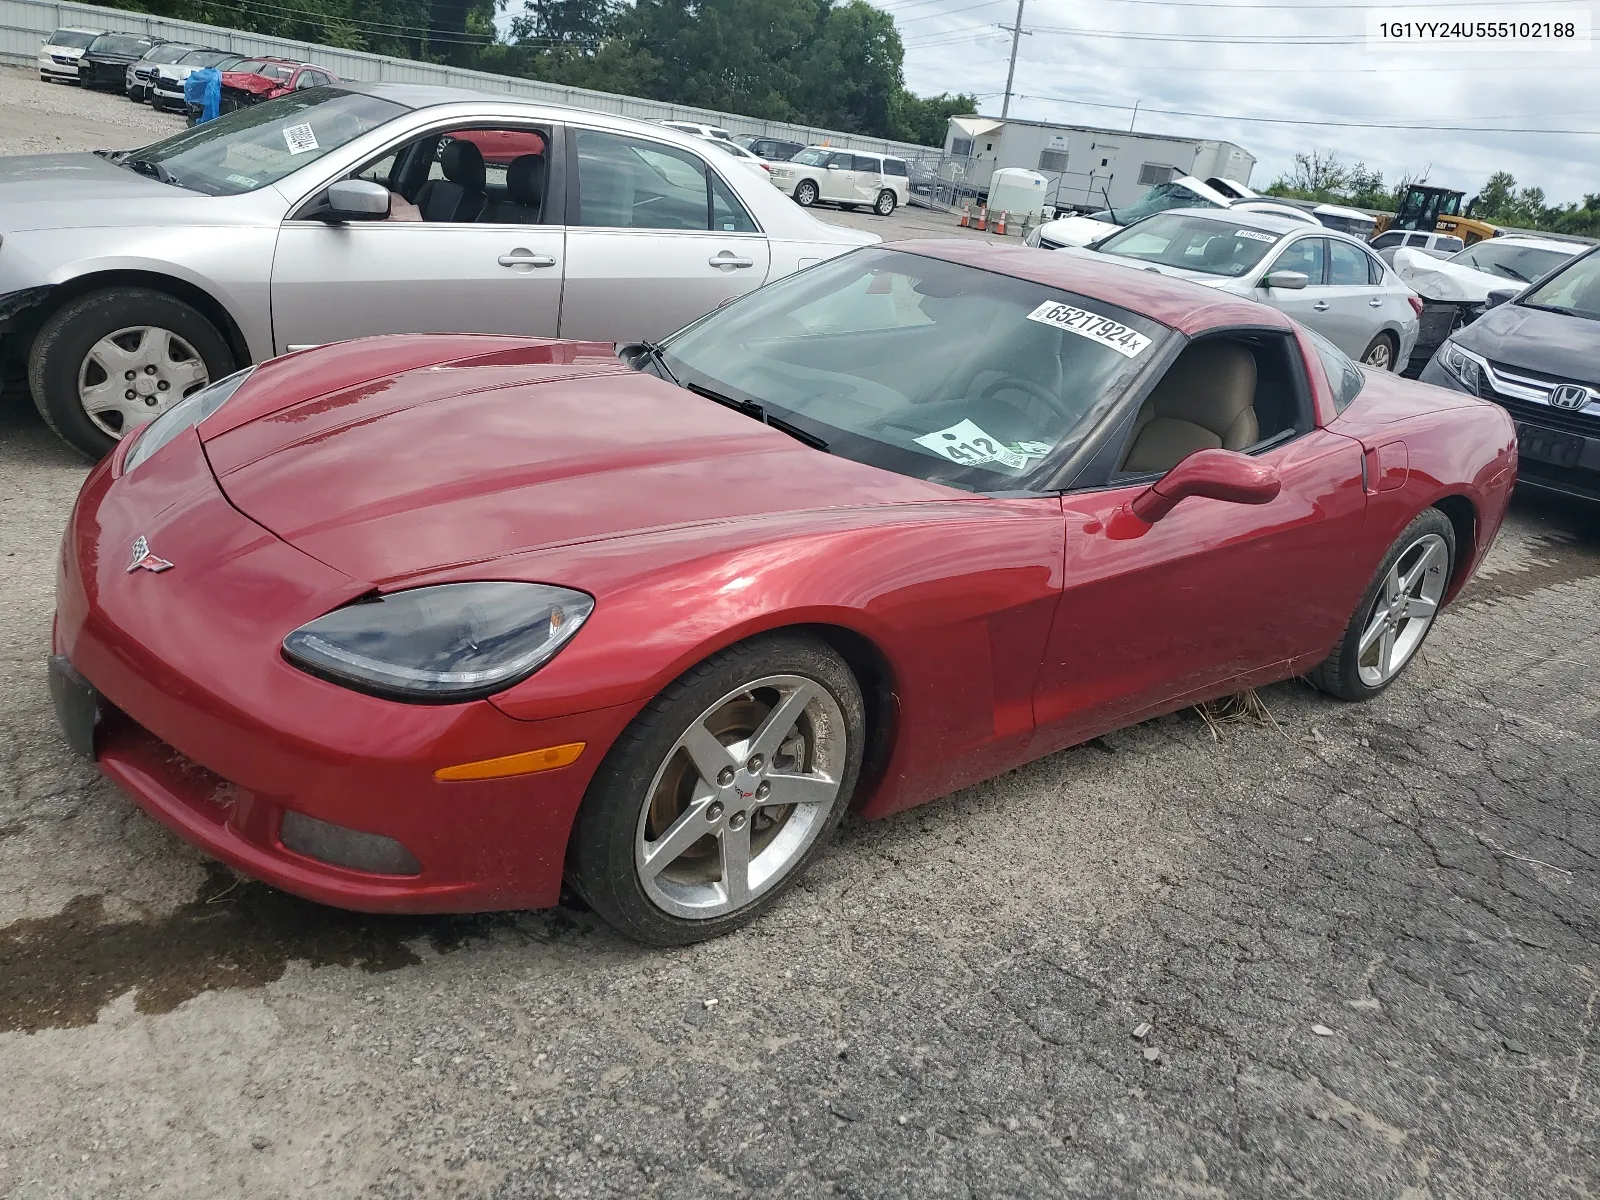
[1184, 192]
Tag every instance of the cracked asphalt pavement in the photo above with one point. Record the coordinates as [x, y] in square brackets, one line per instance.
[1366, 940]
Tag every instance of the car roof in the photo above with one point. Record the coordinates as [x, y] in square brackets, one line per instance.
[1265, 222]
[1180, 304]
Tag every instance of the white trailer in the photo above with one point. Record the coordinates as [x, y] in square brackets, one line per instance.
[1088, 168]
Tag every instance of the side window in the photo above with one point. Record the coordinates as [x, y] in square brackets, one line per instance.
[1344, 377]
[727, 214]
[1374, 269]
[1347, 265]
[499, 147]
[1385, 240]
[845, 162]
[382, 170]
[1305, 256]
[872, 166]
[628, 183]
[895, 167]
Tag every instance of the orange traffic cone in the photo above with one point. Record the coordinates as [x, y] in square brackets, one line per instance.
[983, 218]
[966, 217]
[1000, 225]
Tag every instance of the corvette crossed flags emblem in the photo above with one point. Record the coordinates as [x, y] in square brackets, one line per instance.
[142, 558]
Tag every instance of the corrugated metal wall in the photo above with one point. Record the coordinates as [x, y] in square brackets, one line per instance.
[26, 23]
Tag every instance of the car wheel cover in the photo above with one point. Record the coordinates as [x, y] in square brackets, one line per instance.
[1379, 355]
[130, 377]
[1403, 610]
[741, 797]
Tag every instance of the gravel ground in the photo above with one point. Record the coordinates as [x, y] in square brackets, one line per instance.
[944, 1006]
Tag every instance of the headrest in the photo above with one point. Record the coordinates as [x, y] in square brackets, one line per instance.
[462, 162]
[525, 178]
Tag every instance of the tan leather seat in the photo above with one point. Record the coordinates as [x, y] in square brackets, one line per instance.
[1205, 401]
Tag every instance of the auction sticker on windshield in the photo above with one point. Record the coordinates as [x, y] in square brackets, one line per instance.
[1255, 235]
[1109, 333]
[969, 444]
[300, 139]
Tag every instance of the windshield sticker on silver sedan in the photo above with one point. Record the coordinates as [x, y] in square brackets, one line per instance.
[1255, 235]
[300, 139]
[968, 444]
[1109, 333]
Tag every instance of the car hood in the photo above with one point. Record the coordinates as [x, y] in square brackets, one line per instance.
[249, 83]
[54, 191]
[1076, 231]
[521, 446]
[1435, 278]
[1547, 343]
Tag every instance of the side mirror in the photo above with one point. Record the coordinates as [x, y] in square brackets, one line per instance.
[1500, 296]
[357, 200]
[1214, 474]
[1289, 281]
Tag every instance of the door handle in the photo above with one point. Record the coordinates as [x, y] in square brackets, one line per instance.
[726, 258]
[523, 258]
[1321, 306]
[1375, 302]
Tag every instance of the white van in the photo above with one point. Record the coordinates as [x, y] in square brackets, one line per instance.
[848, 178]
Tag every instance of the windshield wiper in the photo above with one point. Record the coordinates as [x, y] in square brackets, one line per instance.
[1505, 270]
[751, 409]
[653, 352]
[155, 170]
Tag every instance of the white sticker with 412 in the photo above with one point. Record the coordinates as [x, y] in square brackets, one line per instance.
[970, 445]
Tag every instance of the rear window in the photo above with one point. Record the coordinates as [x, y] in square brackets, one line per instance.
[116, 43]
[894, 166]
[1450, 245]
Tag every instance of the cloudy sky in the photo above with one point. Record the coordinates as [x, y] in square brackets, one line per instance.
[1283, 60]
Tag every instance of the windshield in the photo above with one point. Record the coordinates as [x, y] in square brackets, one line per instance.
[69, 37]
[923, 367]
[252, 147]
[812, 156]
[169, 52]
[1158, 199]
[1519, 263]
[205, 58]
[1204, 244]
[112, 43]
[1575, 291]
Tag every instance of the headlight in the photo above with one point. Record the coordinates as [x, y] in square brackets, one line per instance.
[1464, 365]
[185, 414]
[441, 644]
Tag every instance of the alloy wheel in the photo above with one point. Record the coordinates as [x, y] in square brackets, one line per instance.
[132, 376]
[885, 204]
[740, 798]
[806, 194]
[1403, 610]
[1379, 355]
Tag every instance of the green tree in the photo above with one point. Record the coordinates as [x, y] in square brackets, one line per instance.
[924, 119]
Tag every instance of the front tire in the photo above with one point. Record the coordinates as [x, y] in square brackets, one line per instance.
[1396, 612]
[721, 792]
[886, 203]
[113, 360]
[1381, 354]
[806, 194]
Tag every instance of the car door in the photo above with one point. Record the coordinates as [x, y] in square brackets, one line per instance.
[837, 179]
[1356, 309]
[332, 282]
[868, 178]
[1308, 305]
[656, 237]
[1214, 595]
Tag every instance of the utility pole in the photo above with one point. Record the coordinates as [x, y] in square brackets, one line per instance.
[1016, 40]
[1135, 116]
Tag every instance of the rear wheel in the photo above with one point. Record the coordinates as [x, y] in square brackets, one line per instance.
[886, 203]
[721, 792]
[1396, 612]
[1381, 354]
[806, 194]
[113, 360]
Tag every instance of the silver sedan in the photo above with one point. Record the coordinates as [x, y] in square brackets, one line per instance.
[130, 279]
[1327, 281]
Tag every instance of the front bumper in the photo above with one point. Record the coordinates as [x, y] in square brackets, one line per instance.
[175, 684]
[1557, 451]
[58, 68]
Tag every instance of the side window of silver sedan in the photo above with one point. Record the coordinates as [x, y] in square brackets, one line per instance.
[1347, 265]
[630, 183]
[1305, 256]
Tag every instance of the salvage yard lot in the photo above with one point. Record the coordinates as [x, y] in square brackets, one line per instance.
[943, 1006]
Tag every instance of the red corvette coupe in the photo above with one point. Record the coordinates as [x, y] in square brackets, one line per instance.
[432, 623]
